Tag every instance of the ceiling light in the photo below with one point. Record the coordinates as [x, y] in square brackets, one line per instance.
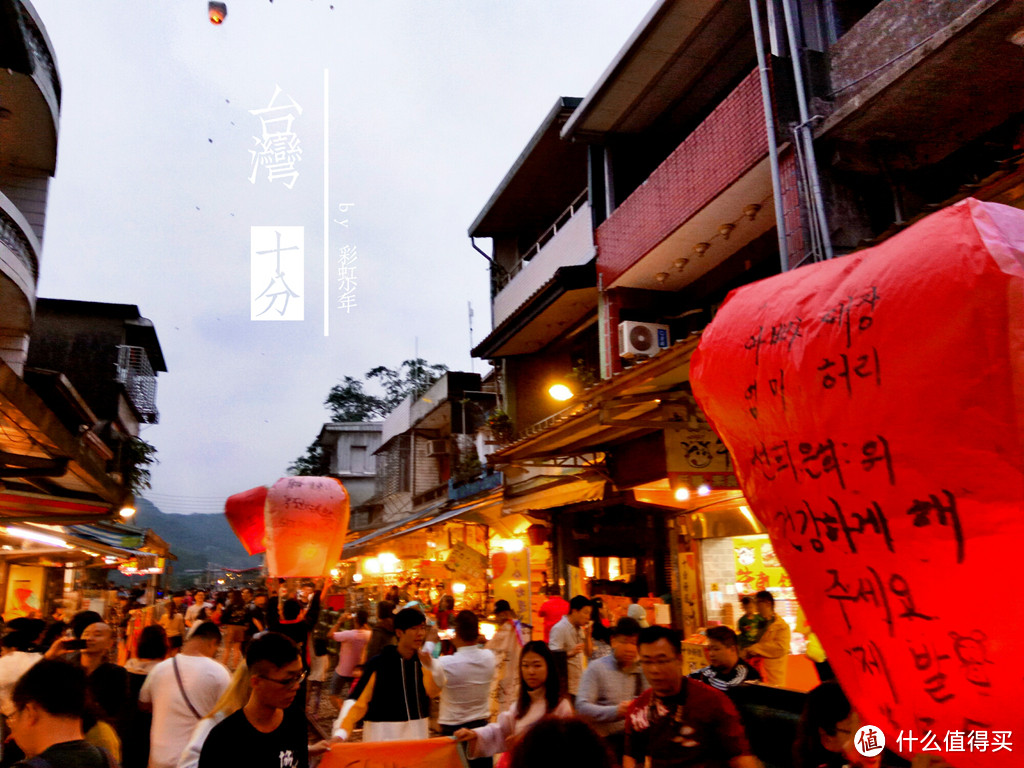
[682, 494]
[37, 536]
[751, 210]
[701, 248]
[703, 490]
[680, 263]
[661, 277]
[725, 230]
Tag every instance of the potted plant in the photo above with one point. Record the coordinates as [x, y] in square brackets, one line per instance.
[500, 425]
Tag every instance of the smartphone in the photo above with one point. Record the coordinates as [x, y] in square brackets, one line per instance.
[74, 645]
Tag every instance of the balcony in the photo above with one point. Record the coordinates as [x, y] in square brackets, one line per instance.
[139, 379]
[567, 243]
[30, 92]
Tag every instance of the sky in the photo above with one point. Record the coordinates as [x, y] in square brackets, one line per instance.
[428, 104]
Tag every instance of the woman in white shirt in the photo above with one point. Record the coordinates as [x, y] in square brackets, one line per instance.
[539, 695]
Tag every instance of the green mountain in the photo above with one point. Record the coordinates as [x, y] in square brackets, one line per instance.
[195, 540]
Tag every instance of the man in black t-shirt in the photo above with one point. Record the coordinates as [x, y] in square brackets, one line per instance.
[45, 718]
[260, 735]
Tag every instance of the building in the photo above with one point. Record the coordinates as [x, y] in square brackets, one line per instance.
[712, 161]
[349, 447]
[66, 425]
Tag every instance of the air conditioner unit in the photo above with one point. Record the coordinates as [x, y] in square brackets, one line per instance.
[437, 448]
[641, 339]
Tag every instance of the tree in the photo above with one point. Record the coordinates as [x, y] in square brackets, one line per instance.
[349, 401]
[136, 455]
[313, 462]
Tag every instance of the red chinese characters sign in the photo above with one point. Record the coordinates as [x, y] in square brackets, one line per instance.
[874, 408]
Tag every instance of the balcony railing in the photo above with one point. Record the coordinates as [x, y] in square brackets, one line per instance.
[568, 243]
[13, 236]
[136, 373]
[502, 278]
[42, 59]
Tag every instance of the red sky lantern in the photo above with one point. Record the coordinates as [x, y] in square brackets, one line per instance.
[244, 512]
[874, 407]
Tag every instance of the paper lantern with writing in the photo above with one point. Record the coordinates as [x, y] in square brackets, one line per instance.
[874, 408]
[244, 512]
[306, 523]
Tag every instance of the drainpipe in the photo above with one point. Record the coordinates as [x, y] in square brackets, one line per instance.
[773, 149]
[804, 132]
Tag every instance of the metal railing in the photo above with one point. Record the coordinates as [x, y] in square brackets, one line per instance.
[136, 373]
[42, 59]
[503, 278]
[12, 236]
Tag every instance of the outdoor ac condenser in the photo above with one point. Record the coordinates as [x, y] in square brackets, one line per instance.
[641, 339]
[437, 448]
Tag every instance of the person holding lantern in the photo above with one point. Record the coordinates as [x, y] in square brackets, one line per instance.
[395, 689]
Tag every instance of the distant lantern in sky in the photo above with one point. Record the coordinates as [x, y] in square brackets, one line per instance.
[218, 12]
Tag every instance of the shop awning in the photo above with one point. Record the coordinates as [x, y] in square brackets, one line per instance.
[49, 474]
[472, 512]
[359, 546]
[55, 544]
[618, 409]
[557, 493]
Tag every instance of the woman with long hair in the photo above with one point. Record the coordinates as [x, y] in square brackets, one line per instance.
[173, 623]
[233, 699]
[151, 649]
[600, 632]
[233, 628]
[539, 696]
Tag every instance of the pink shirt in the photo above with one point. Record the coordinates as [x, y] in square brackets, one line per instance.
[353, 641]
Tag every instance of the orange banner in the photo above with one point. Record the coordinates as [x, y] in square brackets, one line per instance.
[432, 753]
[874, 408]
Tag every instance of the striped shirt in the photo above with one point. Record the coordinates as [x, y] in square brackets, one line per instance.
[741, 673]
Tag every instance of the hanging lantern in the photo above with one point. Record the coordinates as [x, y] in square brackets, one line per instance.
[306, 522]
[244, 512]
[538, 534]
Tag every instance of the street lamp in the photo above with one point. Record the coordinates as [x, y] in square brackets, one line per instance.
[560, 392]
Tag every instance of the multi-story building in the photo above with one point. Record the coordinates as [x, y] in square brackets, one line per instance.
[350, 447]
[712, 161]
[65, 424]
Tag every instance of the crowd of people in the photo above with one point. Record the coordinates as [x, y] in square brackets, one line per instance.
[233, 687]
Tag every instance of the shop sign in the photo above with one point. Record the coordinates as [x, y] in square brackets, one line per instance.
[694, 454]
[694, 657]
[510, 577]
[873, 406]
[758, 567]
[466, 562]
[688, 591]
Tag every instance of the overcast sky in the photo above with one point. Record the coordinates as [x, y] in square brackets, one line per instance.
[429, 105]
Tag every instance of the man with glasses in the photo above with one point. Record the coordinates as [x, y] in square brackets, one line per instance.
[181, 691]
[610, 684]
[260, 735]
[395, 689]
[679, 722]
[45, 718]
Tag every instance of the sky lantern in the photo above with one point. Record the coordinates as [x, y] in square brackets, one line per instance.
[306, 520]
[244, 512]
[218, 12]
[874, 408]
